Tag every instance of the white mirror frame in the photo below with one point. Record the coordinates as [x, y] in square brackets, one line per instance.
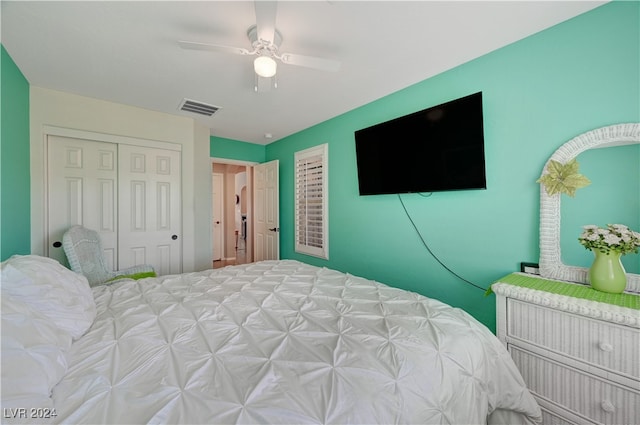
[551, 265]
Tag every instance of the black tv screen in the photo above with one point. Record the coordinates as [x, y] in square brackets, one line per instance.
[440, 148]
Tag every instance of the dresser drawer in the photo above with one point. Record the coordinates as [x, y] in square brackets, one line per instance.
[603, 344]
[550, 418]
[577, 391]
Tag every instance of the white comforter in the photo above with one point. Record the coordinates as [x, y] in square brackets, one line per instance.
[284, 342]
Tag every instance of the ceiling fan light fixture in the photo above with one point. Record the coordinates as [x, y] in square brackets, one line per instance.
[265, 66]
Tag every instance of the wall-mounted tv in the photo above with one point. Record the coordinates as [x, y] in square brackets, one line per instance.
[440, 148]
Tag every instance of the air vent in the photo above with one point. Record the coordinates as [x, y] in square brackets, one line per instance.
[198, 107]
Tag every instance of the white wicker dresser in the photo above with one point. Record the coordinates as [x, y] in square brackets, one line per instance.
[577, 349]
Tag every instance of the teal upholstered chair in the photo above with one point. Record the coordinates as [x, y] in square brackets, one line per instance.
[84, 252]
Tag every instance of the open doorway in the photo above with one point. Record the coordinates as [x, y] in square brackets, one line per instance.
[232, 208]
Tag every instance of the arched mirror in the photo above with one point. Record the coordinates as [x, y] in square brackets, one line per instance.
[551, 235]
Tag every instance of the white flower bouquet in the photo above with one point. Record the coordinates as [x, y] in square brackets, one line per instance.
[615, 237]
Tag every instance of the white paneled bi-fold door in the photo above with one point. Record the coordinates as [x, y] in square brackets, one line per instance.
[129, 194]
[150, 204]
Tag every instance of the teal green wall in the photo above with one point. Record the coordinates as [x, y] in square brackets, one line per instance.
[538, 93]
[235, 149]
[15, 233]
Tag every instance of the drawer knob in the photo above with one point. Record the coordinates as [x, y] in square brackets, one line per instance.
[605, 346]
[607, 406]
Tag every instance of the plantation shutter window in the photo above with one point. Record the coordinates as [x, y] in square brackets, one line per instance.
[311, 201]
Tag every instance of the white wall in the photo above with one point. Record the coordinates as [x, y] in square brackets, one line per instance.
[64, 110]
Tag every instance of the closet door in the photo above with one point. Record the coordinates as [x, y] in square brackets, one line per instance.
[149, 196]
[82, 189]
[130, 195]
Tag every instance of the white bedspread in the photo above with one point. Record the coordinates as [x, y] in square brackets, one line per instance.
[283, 342]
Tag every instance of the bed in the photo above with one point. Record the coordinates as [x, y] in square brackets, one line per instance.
[273, 342]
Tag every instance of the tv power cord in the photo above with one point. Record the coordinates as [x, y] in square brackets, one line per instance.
[431, 252]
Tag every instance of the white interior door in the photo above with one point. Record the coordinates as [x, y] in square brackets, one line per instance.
[217, 208]
[82, 189]
[150, 202]
[130, 195]
[266, 207]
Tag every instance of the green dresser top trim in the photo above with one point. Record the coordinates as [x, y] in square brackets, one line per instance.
[572, 290]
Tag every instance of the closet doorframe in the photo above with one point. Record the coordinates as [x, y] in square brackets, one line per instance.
[166, 263]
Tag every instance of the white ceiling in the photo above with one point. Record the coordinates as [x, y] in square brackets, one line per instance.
[127, 52]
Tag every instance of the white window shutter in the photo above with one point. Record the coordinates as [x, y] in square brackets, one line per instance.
[311, 201]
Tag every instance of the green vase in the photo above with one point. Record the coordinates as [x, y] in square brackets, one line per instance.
[607, 273]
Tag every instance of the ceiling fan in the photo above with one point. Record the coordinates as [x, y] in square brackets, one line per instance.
[265, 43]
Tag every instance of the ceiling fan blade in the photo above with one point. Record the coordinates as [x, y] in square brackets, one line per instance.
[192, 45]
[310, 62]
[266, 20]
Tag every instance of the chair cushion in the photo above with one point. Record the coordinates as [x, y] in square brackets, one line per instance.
[134, 276]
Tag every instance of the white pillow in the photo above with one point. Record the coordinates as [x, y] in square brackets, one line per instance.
[33, 356]
[62, 296]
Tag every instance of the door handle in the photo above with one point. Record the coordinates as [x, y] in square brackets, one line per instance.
[274, 229]
[57, 244]
[174, 237]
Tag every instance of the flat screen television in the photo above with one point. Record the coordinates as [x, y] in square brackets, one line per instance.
[440, 148]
